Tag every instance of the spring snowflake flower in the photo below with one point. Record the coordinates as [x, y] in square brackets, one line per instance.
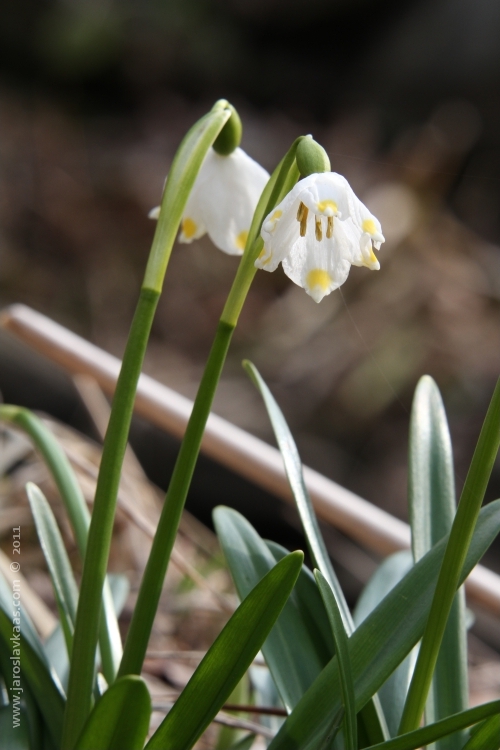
[317, 232]
[223, 200]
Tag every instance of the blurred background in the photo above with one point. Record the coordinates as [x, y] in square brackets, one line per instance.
[94, 99]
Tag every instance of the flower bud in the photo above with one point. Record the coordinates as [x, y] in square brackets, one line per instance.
[229, 137]
[311, 157]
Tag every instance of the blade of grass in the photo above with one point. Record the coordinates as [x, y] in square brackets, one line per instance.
[373, 718]
[61, 574]
[432, 506]
[79, 517]
[456, 551]
[381, 641]
[343, 659]
[120, 720]
[228, 658]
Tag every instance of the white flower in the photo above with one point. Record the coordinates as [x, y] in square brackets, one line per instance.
[223, 200]
[317, 232]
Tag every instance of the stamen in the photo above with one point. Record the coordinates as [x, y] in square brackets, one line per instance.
[300, 211]
[303, 221]
[329, 228]
[319, 229]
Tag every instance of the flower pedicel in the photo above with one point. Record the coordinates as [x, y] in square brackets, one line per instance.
[317, 232]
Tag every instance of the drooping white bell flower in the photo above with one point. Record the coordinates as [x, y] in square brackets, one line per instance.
[317, 232]
[223, 200]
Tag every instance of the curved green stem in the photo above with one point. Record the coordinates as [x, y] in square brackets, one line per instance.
[101, 526]
[154, 574]
[280, 183]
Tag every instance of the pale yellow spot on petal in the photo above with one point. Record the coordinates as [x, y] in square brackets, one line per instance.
[262, 257]
[327, 206]
[369, 226]
[241, 240]
[189, 228]
[276, 215]
[318, 278]
[372, 259]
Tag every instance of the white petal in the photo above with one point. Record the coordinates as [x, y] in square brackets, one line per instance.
[154, 213]
[228, 192]
[317, 266]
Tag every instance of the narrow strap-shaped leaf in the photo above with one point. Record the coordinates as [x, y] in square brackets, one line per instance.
[79, 517]
[432, 505]
[228, 658]
[459, 539]
[20, 699]
[63, 582]
[392, 694]
[120, 720]
[43, 684]
[450, 726]
[487, 735]
[295, 650]
[293, 468]
[14, 735]
[373, 719]
[343, 659]
[381, 641]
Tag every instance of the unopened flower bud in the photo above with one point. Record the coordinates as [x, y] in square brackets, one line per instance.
[311, 157]
[229, 137]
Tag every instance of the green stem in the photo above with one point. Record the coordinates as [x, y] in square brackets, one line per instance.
[99, 539]
[280, 183]
[154, 574]
[455, 554]
[79, 516]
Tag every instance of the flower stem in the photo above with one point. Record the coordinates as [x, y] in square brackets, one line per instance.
[280, 183]
[154, 574]
[183, 172]
[101, 526]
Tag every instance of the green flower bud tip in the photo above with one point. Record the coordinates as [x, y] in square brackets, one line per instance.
[311, 157]
[229, 137]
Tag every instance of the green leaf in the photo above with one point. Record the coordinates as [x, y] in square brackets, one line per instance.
[372, 717]
[486, 736]
[381, 641]
[79, 517]
[17, 687]
[43, 683]
[14, 736]
[245, 743]
[61, 574]
[392, 694]
[450, 726]
[296, 650]
[120, 720]
[343, 659]
[432, 506]
[459, 539]
[228, 658]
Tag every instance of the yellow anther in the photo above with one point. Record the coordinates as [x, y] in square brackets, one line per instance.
[300, 211]
[188, 228]
[303, 221]
[241, 240]
[328, 207]
[319, 229]
[369, 226]
[318, 278]
[329, 227]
